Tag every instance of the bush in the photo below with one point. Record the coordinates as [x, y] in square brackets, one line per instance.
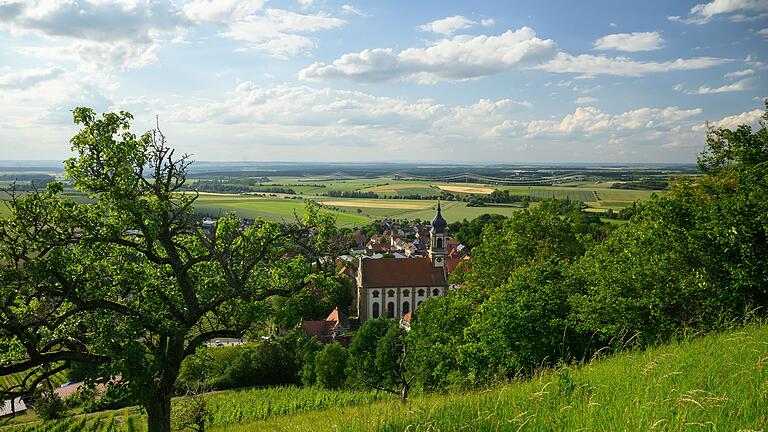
[49, 405]
[330, 364]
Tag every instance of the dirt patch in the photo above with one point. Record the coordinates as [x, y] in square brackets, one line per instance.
[480, 190]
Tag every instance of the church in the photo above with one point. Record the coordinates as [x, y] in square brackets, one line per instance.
[393, 287]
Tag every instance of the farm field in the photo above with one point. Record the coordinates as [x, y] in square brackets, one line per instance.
[270, 209]
[719, 381]
[351, 212]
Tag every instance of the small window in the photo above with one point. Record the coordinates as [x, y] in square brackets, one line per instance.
[406, 307]
[375, 310]
[435, 292]
[440, 243]
[391, 309]
[406, 293]
[375, 294]
[391, 293]
[420, 293]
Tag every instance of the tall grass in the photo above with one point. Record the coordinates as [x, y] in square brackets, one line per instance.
[716, 383]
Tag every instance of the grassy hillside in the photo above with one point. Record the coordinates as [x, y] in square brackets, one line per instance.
[715, 383]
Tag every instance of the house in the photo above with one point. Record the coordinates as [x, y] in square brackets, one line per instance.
[333, 328]
[392, 287]
[11, 407]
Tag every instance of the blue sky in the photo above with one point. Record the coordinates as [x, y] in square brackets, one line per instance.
[323, 80]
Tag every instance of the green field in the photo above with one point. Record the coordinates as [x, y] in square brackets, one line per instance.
[714, 383]
[597, 195]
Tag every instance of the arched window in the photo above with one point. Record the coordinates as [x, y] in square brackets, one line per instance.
[375, 310]
[406, 293]
[439, 242]
[406, 307]
[420, 293]
[375, 294]
[435, 292]
[391, 309]
[391, 293]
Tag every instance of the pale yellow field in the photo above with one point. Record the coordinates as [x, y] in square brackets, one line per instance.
[467, 189]
[374, 204]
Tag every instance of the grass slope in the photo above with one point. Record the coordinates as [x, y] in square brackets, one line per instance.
[716, 383]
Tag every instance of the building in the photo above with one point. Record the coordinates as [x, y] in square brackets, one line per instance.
[331, 329]
[392, 287]
[12, 407]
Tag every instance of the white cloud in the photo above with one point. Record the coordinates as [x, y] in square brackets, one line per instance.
[462, 57]
[29, 77]
[630, 42]
[739, 73]
[590, 120]
[352, 125]
[223, 11]
[751, 118]
[763, 32]
[590, 66]
[304, 4]
[448, 25]
[277, 31]
[351, 10]
[741, 85]
[705, 12]
[466, 57]
[584, 100]
[99, 33]
[488, 22]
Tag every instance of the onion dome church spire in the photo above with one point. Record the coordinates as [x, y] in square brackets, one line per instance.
[438, 223]
[437, 241]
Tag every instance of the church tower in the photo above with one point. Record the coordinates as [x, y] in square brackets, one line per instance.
[437, 241]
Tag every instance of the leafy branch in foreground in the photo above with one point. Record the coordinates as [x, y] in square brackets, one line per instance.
[129, 281]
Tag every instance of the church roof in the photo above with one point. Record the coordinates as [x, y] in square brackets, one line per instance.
[394, 273]
[439, 223]
[338, 318]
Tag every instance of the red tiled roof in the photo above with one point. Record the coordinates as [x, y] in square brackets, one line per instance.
[401, 272]
[452, 263]
[407, 317]
[336, 317]
[316, 328]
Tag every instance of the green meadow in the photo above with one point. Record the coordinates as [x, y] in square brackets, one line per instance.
[718, 382]
[351, 212]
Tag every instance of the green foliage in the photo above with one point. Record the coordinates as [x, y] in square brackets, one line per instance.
[49, 405]
[738, 147]
[128, 281]
[437, 332]
[330, 365]
[469, 233]
[377, 357]
[522, 325]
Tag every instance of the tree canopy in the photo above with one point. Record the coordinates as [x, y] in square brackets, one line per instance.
[129, 281]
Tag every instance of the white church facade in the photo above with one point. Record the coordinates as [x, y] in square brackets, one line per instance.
[393, 287]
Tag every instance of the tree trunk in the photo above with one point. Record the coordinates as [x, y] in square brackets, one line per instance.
[159, 412]
[404, 393]
[159, 404]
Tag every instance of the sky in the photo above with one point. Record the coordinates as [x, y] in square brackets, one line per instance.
[428, 81]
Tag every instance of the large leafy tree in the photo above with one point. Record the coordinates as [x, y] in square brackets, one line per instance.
[128, 281]
[692, 258]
